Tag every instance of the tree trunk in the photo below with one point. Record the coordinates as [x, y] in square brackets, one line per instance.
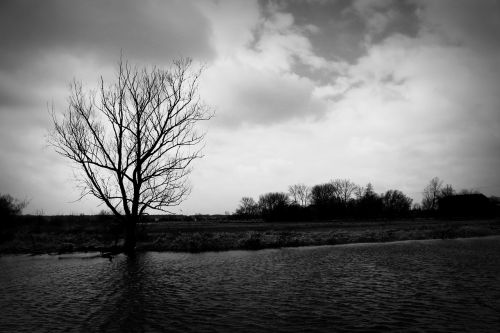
[130, 234]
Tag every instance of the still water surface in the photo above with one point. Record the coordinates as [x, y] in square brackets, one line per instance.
[417, 285]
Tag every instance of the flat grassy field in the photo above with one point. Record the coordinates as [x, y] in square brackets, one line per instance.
[64, 234]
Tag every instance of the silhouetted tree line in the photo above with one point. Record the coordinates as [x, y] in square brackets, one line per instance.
[443, 201]
[341, 198]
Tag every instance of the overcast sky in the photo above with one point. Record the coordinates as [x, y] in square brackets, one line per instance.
[388, 92]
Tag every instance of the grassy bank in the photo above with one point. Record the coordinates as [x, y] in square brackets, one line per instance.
[72, 234]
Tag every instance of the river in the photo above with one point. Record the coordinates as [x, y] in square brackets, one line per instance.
[435, 285]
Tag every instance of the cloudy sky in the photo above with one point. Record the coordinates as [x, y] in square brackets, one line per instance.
[388, 92]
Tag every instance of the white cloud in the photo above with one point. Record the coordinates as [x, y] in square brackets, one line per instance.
[282, 42]
[232, 24]
[252, 81]
[424, 108]
[243, 94]
[411, 109]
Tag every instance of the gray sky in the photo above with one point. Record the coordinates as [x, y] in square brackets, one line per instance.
[388, 92]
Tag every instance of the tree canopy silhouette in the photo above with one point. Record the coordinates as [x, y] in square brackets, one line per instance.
[10, 206]
[431, 194]
[396, 203]
[273, 205]
[300, 194]
[248, 207]
[135, 139]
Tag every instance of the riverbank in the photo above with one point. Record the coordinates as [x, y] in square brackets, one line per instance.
[199, 236]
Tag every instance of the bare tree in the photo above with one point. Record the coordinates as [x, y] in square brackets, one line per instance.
[248, 207]
[345, 189]
[300, 194]
[359, 192]
[134, 141]
[447, 191]
[273, 200]
[431, 194]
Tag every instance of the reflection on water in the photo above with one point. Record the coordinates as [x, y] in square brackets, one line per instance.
[430, 285]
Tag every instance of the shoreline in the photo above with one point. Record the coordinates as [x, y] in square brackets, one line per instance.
[97, 254]
[247, 236]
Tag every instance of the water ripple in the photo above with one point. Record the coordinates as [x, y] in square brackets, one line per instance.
[450, 285]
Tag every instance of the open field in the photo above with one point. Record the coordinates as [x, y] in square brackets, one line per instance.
[64, 234]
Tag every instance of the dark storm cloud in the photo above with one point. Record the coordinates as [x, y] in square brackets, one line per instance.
[147, 30]
[338, 36]
[345, 25]
[472, 24]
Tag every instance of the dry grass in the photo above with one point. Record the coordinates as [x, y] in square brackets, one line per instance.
[70, 234]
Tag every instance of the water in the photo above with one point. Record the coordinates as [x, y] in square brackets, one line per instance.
[419, 285]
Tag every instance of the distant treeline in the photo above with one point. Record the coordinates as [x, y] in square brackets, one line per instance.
[341, 198]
